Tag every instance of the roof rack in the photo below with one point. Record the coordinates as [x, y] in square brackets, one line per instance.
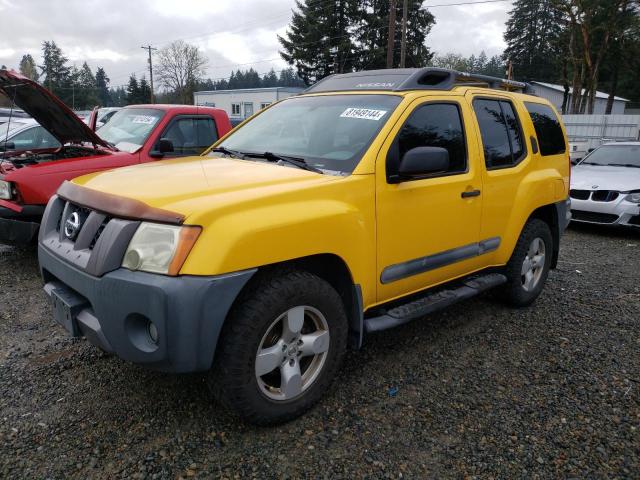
[402, 79]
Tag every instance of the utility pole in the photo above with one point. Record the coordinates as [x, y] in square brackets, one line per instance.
[403, 44]
[510, 71]
[391, 32]
[149, 48]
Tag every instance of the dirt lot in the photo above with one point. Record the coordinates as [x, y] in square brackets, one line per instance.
[482, 391]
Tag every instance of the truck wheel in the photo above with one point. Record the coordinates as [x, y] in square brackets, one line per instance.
[529, 265]
[280, 348]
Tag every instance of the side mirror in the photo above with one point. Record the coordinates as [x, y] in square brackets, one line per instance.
[590, 150]
[421, 161]
[7, 145]
[163, 146]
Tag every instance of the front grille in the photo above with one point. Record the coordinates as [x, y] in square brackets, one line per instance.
[635, 220]
[604, 195]
[91, 225]
[98, 233]
[581, 215]
[580, 194]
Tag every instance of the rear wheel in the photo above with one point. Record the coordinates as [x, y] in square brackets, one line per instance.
[529, 265]
[280, 348]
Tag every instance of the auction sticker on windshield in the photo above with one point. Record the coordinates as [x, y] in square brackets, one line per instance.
[144, 119]
[364, 113]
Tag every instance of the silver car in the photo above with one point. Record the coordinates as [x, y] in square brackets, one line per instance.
[605, 186]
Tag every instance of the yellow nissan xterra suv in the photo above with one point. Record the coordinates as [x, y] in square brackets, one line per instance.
[372, 199]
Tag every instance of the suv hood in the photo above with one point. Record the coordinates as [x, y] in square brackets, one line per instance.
[180, 185]
[595, 177]
[47, 109]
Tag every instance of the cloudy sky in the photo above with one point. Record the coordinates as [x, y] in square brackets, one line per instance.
[232, 33]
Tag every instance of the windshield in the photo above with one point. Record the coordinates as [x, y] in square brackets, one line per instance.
[328, 132]
[615, 155]
[129, 128]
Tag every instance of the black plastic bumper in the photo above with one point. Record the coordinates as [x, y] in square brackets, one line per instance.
[20, 228]
[114, 311]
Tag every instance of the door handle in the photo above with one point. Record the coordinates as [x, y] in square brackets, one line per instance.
[470, 193]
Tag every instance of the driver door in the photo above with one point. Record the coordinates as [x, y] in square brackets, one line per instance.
[428, 228]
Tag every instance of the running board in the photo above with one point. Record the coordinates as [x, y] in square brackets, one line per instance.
[432, 302]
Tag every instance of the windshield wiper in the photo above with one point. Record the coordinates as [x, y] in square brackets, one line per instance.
[295, 161]
[233, 153]
[631, 165]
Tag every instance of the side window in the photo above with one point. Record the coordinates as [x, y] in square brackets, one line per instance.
[513, 127]
[26, 139]
[47, 140]
[191, 136]
[500, 132]
[548, 129]
[436, 125]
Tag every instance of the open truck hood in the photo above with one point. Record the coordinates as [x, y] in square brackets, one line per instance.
[47, 109]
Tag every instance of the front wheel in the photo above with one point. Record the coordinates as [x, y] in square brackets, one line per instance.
[280, 348]
[529, 265]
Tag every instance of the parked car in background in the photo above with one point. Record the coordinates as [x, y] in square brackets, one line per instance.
[83, 114]
[372, 200]
[7, 114]
[134, 135]
[605, 186]
[22, 134]
[100, 116]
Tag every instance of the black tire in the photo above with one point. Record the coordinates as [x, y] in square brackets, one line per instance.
[233, 379]
[514, 291]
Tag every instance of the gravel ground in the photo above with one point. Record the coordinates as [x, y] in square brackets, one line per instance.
[482, 391]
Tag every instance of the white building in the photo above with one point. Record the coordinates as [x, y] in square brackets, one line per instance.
[555, 94]
[242, 103]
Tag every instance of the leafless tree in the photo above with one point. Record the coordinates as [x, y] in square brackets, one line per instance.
[180, 67]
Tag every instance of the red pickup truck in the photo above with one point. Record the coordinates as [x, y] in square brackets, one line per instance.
[135, 134]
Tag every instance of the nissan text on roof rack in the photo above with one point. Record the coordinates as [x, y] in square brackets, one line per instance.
[371, 200]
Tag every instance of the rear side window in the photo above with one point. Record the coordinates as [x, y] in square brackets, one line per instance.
[501, 133]
[191, 136]
[436, 125]
[548, 129]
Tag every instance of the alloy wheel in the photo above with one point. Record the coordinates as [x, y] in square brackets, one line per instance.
[533, 264]
[292, 353]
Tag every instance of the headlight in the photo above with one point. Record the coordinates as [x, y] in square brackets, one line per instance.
[158, 248]
[633, 197]
[5, 190]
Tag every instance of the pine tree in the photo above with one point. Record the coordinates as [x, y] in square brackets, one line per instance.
[270, 79]
[28, 67]
[371, 26]
[54, 66]
[57, 75]
[533, 35]
[133, 90]
[318, 40]
[144, 91]
[102, 85]
[85, 90]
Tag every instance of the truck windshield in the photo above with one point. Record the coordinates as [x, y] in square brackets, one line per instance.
[129, 128]
[615, 155]
[329, 132]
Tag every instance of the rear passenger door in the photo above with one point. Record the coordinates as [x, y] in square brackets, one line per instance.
[190, 134]
[506, 161]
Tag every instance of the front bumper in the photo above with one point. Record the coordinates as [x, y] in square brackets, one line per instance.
[618, 212]
[20, 228]
[113, 311]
